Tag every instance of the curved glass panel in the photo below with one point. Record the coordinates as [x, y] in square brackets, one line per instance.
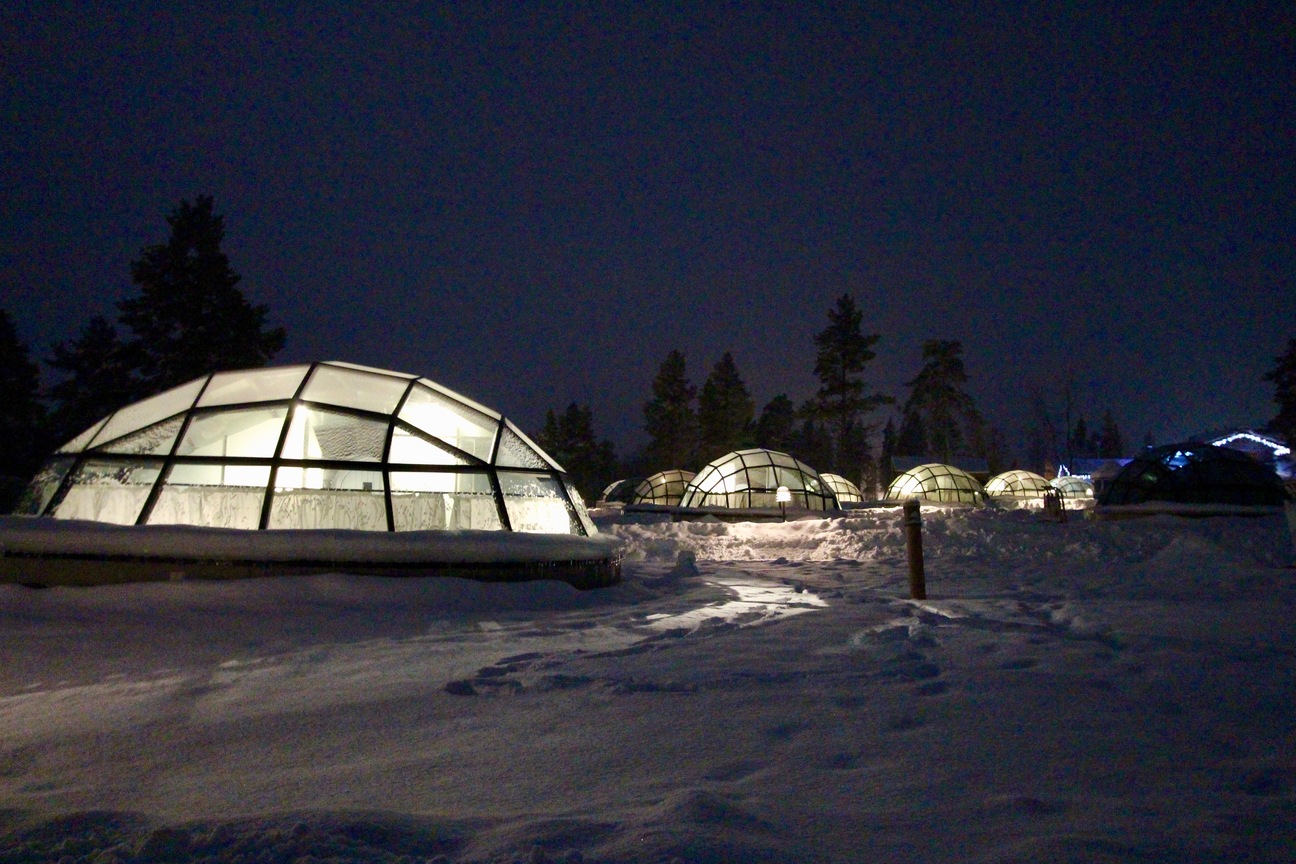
[536, 504]
[444, 500]
[751, 478]
[936, 482]
[246, 433]
[515, 452]
[334, 498]
[457, 424]
[349, 388]
[846, 491]
[149, 411]
[108, 491]
[217, 496]
[255, 385]
[318, 434]
[156, 440]
[1017, 484]
[664, 487]
[77, 444]
[38, 493]
[410, 448]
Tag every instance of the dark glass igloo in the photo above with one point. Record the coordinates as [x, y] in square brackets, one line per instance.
[1194, 473]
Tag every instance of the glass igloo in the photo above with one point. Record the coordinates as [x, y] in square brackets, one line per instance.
[1071, 486]
[664, 487]
[846, 491]
[751, 478]
[1195, 473]
[321, 445]
[1019, 484]
[937, 483]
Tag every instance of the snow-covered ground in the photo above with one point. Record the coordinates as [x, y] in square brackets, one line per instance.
[1087, 692]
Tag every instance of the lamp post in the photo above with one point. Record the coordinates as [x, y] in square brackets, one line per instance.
[783, 496]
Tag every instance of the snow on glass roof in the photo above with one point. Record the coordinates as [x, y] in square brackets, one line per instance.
[751, 478]
[936, 482]
[846, 491]
[320, 445]
[664, 487]
[1017, 484]
[1195, 473]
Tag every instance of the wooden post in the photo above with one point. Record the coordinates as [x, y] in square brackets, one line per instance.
[913, 541]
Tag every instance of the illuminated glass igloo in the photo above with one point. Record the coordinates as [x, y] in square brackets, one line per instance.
[321, 445]
[846, 491]
[938, 483]
[1017, 484]
[664, 487]
[1195, 473]
[751, 478]
[1071, 486]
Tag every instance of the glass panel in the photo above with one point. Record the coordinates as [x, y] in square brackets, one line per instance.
[316, 434]
[105, 490]
[43, 486]
[248, 432]
[77, 444]
[214, 496]
[150, 411]
[336, 498]
[461, 399]
[373, 369]
[455, 423]
[519, 451]
[408, 448]
[444, 500]
[582, 514]
[351, 389]
[253, 385]
[535, 504]
[156, 440]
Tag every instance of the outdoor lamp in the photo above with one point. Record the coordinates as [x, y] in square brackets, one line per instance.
[783, 496]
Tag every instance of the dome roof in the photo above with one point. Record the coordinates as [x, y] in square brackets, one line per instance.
[1194, 473]
[619, 491]
[751, 478]
[936, 482]
[1017, 484]
[846, 491]
[320, 445]
[664, 487]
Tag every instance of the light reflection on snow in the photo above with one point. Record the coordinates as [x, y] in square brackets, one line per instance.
[754, 604]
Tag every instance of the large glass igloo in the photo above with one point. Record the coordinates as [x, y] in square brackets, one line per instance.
[751, 478]
[1194, 473]
[937, 483]
[322, 445]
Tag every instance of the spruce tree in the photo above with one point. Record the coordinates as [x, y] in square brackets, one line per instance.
[1110, 443]
[776, 428]
[842, 401]
[97, 379]
[1283, 377]
[725, 411]
[190, 318]
[569, 438]
[22, 415]
[669, 418]
[947, 413]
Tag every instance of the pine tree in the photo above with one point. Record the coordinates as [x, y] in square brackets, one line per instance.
[886, 460]
[1110, 443]
[725, 411]
[22, 415]
[1283, 376]
[190, 318]
[1078, 446]
[669, 418]
[842, 401]
[937, 400]
[776, 426]
[590, 464]
[97, 379]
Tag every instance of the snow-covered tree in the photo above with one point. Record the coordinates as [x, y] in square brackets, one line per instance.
[670, 419]
[725, 410]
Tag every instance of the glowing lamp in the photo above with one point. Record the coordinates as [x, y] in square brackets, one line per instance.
[783, 496]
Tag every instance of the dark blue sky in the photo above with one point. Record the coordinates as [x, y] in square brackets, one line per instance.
[534, 205]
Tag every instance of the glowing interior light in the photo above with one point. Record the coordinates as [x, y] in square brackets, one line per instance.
[783, 495]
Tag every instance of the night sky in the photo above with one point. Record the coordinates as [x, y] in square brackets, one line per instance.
[533, 203]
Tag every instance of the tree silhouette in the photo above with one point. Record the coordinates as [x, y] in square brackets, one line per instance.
[1283, 376]
[938, 404]
[22, 415]
[569, 438]
[843, 401]
[725, 411]
[669, 418]
[98, 378]
[190, 318]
